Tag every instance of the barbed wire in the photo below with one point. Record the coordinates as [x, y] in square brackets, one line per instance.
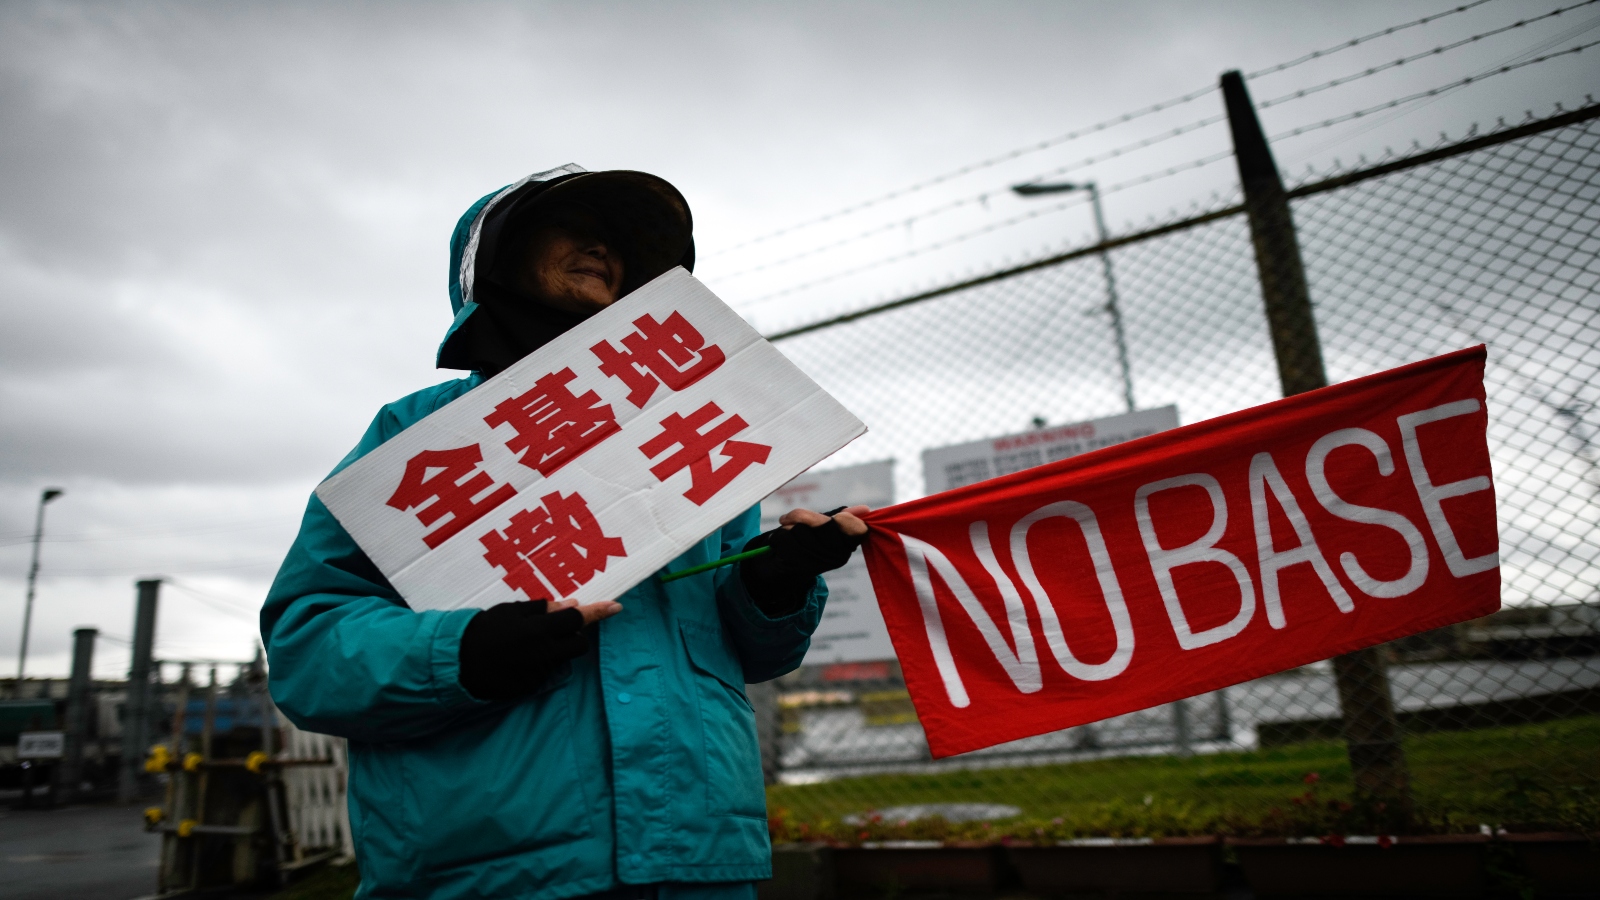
[1354, 42]
[1144, 143]
[983, 197]
[928, 248]
[1436, 51]
[1432, 92]
[967, 201]
[1193, 164]
[1076, 134]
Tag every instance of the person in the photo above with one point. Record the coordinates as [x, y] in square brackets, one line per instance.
[534, 749]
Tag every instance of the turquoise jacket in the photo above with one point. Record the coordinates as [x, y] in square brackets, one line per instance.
[637, 763]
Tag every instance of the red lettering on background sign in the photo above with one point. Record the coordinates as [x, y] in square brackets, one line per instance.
[695, 451]
[433, 485]
[560, 538]
[1199, 558]
[553, 426]
[670, 352]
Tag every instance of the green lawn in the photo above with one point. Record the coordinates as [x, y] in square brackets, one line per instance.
[1524, 775]
[1531, 776]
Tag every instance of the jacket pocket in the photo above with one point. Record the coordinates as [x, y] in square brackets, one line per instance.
[498, 787]
[732, 755]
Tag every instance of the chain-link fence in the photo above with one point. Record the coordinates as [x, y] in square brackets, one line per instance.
[1490, 240]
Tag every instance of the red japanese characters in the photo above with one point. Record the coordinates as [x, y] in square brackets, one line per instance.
[695, 447]
[553, 426]
[592, 462]
[440, 483]
[672, 353]
[559, 540]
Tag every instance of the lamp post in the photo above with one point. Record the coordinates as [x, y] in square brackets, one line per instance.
[1111, 307]
[33, 577]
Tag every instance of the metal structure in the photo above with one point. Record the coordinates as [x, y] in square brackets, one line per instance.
[70, 776]
[1112, 307]
[1493, 238]
[45, 496]
[136, 728]
[249, 799]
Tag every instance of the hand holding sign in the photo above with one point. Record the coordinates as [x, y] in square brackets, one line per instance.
[592, 462]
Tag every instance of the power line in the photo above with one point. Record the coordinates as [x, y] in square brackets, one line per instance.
[227, 605]
[1083, 132]
[128, 570]
[140, 534]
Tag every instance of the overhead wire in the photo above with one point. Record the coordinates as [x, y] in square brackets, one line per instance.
[1076, 134]
[141, 534]
[227, 605]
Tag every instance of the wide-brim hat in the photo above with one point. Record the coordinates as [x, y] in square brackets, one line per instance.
[640, 216]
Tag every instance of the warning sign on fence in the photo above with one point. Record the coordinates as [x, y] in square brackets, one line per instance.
[852, 628]
[1193, 559]
[949, 467]
[592, 462]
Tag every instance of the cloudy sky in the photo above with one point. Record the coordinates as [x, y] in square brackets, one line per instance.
[223, 227]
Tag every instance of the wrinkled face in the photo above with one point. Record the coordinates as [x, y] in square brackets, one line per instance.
[571, 271]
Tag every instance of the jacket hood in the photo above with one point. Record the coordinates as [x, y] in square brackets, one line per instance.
[645, 219]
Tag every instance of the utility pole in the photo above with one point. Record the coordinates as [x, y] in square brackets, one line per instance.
[1372, 735]
[78, 705]
[136, 719]
[47, 495]
[1112, 308]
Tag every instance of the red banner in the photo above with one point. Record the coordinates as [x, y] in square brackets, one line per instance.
[1193, 559]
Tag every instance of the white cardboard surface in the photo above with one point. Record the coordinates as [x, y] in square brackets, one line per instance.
[852, 627]
[783, 409]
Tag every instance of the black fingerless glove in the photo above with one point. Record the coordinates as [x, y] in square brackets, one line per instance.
[511, 649]
[780, 580]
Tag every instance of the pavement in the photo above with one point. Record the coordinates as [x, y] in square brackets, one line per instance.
[78, 852]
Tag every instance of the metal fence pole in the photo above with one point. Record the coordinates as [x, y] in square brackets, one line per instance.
[78, 700]
[137, 716]
[1372, 735]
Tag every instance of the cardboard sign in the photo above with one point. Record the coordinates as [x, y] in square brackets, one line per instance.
[592, 462]
[949, 467]
[852, 628]
[1193, 559]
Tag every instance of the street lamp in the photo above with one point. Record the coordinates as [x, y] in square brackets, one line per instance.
[33, 576]
[1061, 187]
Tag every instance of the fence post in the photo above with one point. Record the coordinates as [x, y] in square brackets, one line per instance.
[1372, 735]
[79, 697]
[138, 713]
